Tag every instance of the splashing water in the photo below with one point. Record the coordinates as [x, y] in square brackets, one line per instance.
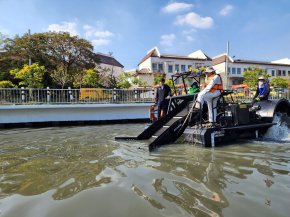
[280, 131]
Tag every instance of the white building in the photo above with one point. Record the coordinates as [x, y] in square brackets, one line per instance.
[109, 64]
[154, 63]
[235, 68]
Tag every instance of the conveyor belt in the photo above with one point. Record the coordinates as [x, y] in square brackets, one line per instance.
[171, 131]
[180, 109]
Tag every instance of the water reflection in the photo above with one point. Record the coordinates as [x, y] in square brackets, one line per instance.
[177, 180]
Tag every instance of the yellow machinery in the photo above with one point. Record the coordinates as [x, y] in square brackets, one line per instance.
[94, 93]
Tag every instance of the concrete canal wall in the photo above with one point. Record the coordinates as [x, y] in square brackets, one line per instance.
[17, 114]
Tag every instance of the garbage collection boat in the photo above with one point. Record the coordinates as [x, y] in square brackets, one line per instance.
[234, 120]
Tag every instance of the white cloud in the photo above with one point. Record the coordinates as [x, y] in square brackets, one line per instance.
[103, 34]
[188, 32]
[194, 20]
[189, 38]
[89, 31]
[167, 40]
[176, 7]
[100, 42]
[98, 35]
[226, 10]
[64, 27]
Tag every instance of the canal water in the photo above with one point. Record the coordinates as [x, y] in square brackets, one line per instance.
[83, 172]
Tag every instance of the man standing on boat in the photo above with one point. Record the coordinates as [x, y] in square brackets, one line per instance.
[213, 89]
[163, 94]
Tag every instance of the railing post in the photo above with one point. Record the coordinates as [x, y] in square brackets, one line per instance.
[48, 94]
[114, 95]
[135, 94]
[22, 94]
[71, 97]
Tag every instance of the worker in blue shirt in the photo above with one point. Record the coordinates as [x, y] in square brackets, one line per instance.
[263, 90]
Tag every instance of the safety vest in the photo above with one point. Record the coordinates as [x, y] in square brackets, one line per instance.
[216, 86]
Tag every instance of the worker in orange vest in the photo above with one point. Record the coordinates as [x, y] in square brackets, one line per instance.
[214, 87]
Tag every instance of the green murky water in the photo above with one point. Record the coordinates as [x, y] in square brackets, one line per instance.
[83, 172]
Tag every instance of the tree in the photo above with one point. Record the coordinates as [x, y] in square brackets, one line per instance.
[79, 79]
[139, 82]
[6, 84]
[107, 77]
[124, 80]
[61, 76]
[5, 76]
[169, 82]
[124, 84]
[60, 53]
[251, 76]
[157, 78]
[92, 78]
[30, 76]
[280, 82]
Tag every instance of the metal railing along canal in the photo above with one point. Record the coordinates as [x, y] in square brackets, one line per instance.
[24, 96]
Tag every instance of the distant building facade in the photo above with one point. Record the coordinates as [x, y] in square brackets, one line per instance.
[109, 64]
[235, 68]
[155, 63]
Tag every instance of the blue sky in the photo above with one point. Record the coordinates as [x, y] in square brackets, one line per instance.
[256, 29]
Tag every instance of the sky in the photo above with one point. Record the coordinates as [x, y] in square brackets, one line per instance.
[255, 29]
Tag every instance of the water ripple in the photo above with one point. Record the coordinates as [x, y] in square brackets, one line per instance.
[65, 164]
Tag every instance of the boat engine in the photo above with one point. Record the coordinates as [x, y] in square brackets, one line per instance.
[236, 114]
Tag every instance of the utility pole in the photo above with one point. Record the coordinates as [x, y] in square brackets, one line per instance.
[29, 60]
[226, 66]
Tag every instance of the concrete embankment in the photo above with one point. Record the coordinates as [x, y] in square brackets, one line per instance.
[23, 115]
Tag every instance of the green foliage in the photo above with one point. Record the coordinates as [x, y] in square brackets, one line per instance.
[139, 82]
[92, 78]
[169, 83]
[5, 76]
[200, 69]
[157, 78]
[30, 76]
[251, 76]
[60, 53]
[136, 81]
[280, 82]
[60, 76]
[79, 79]
[124, 80]
[124, 84]
[6, 84]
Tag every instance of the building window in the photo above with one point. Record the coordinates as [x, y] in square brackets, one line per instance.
[236, 82]
[288, 73]
[160, 67]
[279, 73]
[273, 72]
[170, 68]
[176, 68]
[154, 66]
[284, 72]
[183, 68]
[229, 70]
[239, 71]
[233, 71]
[245, 69]
[189, 67]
